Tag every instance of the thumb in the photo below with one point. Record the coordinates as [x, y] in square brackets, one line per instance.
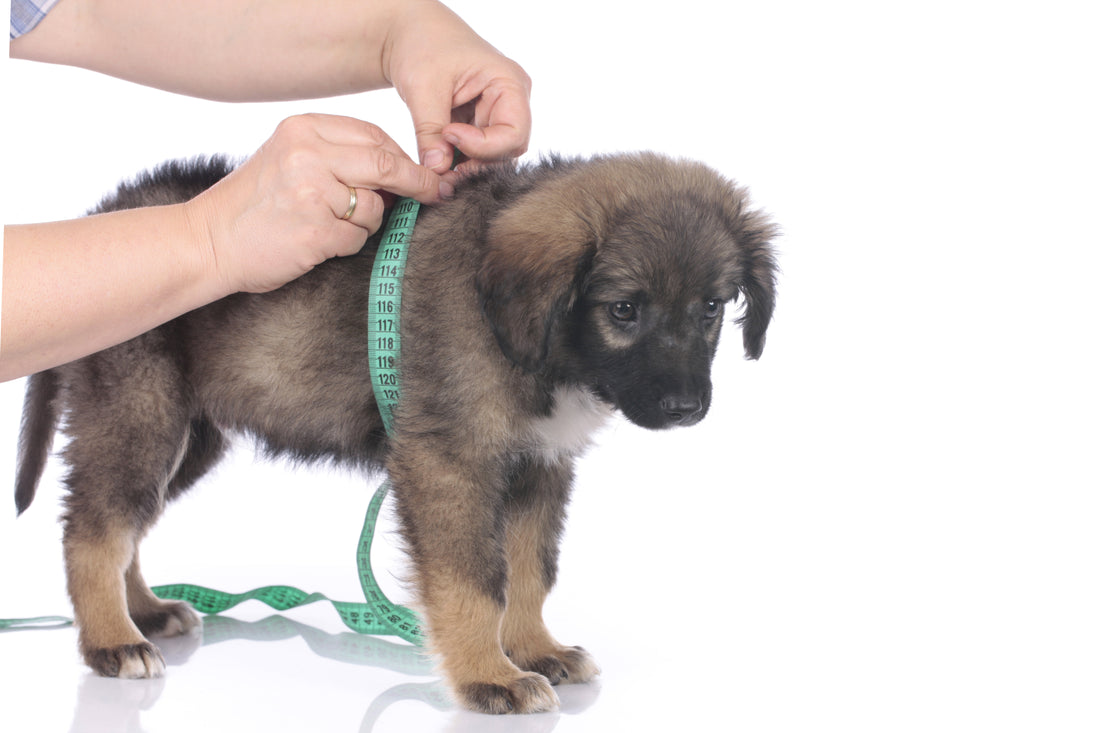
[431, 111]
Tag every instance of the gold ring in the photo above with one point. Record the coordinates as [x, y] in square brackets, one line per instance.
[351, 204]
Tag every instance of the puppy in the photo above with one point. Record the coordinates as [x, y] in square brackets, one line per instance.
[537, 302]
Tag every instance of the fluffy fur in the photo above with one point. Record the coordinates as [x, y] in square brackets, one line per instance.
[536, 302]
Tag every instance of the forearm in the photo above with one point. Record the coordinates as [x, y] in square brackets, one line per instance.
[232, 50]
[74, 287]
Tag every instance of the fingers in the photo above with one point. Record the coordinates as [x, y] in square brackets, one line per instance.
[353, 153]
[362, 207]
[383, 169]
[459, 89]
[430, 108]
[488, 120]
[501, 125]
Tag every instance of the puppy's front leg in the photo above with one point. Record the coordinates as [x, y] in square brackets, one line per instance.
[536, 512]
[452, 517]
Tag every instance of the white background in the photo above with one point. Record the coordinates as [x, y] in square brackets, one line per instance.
[890, 522]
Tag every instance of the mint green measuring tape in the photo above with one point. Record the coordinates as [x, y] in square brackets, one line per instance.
[379, 615]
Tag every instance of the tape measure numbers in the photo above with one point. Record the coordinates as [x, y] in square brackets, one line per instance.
[384, 308]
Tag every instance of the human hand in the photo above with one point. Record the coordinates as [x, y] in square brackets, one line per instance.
[462, 93]
[278, 215]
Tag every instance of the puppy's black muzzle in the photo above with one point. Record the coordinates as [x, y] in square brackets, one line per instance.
[682, 409]
[656, 406]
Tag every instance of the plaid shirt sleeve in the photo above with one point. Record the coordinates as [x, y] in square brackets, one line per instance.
[26, 14]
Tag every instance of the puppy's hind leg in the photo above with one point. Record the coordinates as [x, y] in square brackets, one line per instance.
[152, 615]
[155, 616]
[110, 642]
[128, 430]
[536, 512]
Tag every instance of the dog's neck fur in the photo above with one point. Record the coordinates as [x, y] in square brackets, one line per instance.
[574, 418]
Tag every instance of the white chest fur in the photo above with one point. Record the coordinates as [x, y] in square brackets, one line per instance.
[574, 419]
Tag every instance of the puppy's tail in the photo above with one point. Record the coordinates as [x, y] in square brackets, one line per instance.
[35, 435]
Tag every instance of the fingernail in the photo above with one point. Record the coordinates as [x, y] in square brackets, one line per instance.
[446, 190]
[433, 159]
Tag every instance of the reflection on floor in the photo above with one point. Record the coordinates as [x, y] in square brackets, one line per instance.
[104, 704]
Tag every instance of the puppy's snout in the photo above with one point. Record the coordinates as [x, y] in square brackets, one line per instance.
[682, 409]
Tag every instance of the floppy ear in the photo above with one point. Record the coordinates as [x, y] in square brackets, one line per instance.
[536, 255]
[753, 233]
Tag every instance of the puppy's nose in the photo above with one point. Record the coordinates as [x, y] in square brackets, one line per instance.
[680, 408]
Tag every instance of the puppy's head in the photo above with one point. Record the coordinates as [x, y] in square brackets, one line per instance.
[616, 273]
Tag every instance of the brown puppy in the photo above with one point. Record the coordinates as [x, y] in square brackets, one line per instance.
[536, 302]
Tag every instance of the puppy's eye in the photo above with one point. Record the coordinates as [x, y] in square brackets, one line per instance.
[623, 310]
[712, 309]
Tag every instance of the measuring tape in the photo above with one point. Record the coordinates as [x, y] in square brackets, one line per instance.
[379, 615]
[384, 351]
[384, 308]
[38, 622]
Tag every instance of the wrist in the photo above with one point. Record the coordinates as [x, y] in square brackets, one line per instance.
[418, 31]
[209, 273]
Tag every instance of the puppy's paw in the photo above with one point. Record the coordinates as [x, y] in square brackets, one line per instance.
[128, 661]
[562, 665]
[170, 618]
[529, 693]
